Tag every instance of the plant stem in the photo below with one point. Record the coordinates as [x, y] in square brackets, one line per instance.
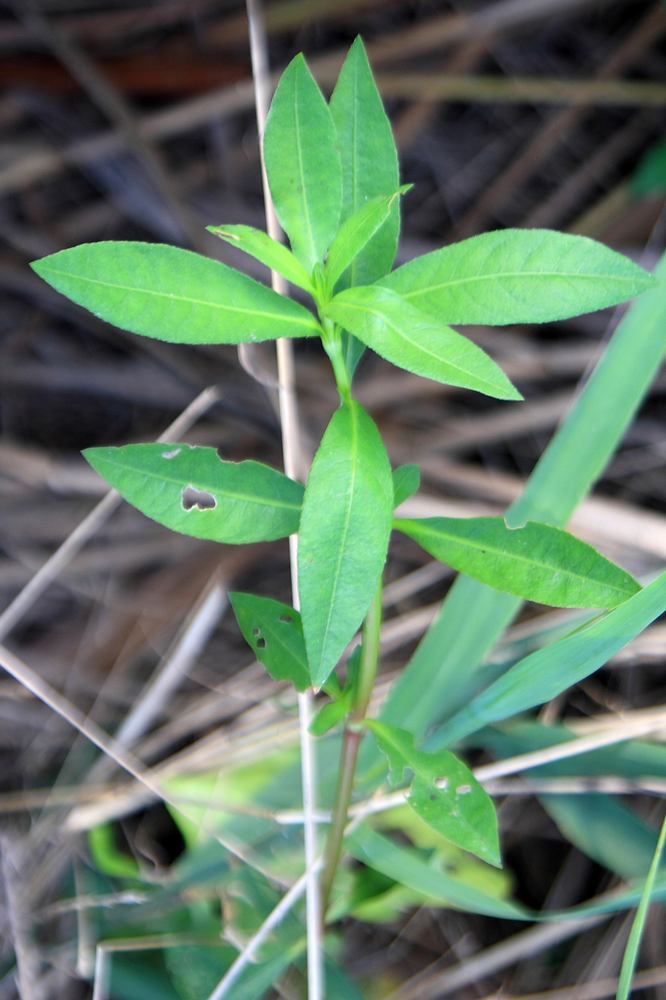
[350, 746]
[332, 341]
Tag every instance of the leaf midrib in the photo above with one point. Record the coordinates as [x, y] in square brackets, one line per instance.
[291, 319]
[522, 275]
[514, 557]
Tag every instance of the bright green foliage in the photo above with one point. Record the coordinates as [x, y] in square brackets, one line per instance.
[406, 482]
[275, 633]
[344, 533]
[544, 674]
[356, 232]
[369, 160]
[409, 338]
[262, 247]
[172, 294]
[537, 562]
[458, 808]
[634, 943]
[192, 490]
[303, 164]
[518, 276]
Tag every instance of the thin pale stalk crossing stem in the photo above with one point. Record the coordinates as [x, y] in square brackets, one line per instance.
[292, 466]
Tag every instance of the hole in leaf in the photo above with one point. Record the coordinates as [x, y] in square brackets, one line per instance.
[287, 619]
[256, 631]
[172, 453]
[463, 789]
[199, 499]
[261, 642]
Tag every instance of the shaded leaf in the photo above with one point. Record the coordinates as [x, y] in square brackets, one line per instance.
[537, 561]
[192, 490]
[407, 337]
[171, 294]
[303, 163]
[630, 957]
[274, 632]
[262, 247]
[406, 482]
[343, 536]
[518, 276]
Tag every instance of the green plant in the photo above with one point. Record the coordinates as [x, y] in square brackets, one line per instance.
[333, 174]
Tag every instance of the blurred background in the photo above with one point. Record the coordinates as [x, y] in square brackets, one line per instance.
[135, 120]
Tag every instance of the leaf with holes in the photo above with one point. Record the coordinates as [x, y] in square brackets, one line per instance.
[406, 337]
[343, 536]
[192, 490]
[274, 632]
[262, 247]
[444, 792]
[537, 561]
[303, 164]
[406, 482]
[518, 276]
[172, 294]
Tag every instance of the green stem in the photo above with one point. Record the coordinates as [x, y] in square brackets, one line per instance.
[350, 745]
[332, 341]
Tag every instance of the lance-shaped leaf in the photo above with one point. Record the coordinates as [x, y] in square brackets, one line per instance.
[303, 163]
[343, 536]
[357, 231]
[537, 562]
[265, 249]
[369, 160]
[274, 632]
[406, 482]
[191, 489]
[518, 276]
[457, 806]
[408, 338]
[171, 294]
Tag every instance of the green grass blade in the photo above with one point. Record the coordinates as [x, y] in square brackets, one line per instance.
[303, 164]
[410, 339]
[473, 616]
[343, 536]
[171, 294]
[192, 490]
[537, 562]
[633, 944]
[518, 276]
[544, 674]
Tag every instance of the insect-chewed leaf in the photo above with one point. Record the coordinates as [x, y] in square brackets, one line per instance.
[265, 249]
[303, 163]
[343, 536]
[406, 482]
[192, 490]
[409, 338]
[518, 276]
[357, 231]
[171, 294]
[274, 632]
[537, 562]
[457, 807]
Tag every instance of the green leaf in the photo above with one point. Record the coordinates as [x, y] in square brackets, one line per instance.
[192, 490]
[537, 562]
[330, 716]
[409, 338]
[262, 247]
[369, 160]
[630, 957]
[518, 276]
[274, 632]
[650, 176]
[462, 811]
[544, 674]
[344, 534]
[357, 231]
[172, 294]
[406, 482]
[303, 164]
